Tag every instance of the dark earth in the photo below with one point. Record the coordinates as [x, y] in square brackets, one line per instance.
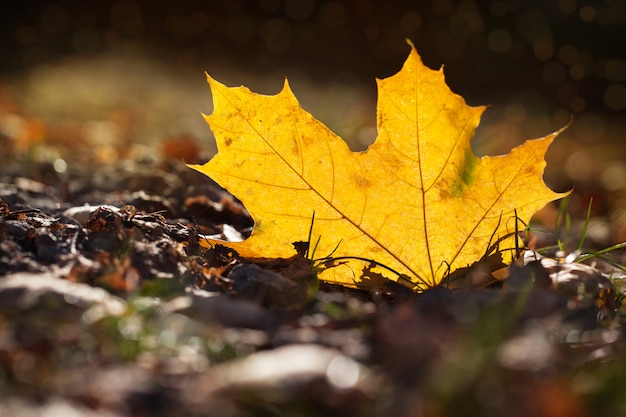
[110, 305]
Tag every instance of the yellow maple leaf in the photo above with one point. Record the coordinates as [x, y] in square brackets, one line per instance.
[417, 201]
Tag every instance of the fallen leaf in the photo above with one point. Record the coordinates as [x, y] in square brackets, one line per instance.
[417, 201]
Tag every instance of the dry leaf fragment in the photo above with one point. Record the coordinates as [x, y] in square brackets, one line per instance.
[417, 201]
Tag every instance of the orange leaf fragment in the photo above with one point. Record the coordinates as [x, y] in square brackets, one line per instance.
[417, 200]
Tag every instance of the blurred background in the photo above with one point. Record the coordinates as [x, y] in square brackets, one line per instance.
[126, 77]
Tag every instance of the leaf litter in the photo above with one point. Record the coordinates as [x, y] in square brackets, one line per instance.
[110, 306]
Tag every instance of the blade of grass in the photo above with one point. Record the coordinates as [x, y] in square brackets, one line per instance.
[594, 254]
[583, 233]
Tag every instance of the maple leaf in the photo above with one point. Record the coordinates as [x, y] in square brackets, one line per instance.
[417, 201]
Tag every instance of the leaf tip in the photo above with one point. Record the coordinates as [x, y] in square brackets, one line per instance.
[413, 49]
[209, 79]
[289, 92]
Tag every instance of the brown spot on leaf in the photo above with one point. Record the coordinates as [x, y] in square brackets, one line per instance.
[360, 181]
